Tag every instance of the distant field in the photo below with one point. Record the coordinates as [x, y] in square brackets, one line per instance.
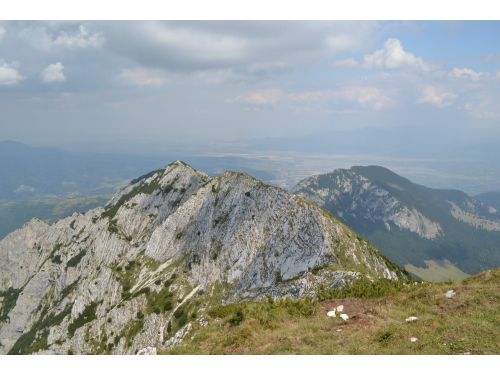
[437, 271]
[464, 324]
[13, 214]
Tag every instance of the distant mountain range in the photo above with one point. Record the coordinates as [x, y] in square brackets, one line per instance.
[436, 234]
[27, 172]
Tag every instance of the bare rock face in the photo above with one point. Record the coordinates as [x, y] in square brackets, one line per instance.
[135, 273]
[348, 193]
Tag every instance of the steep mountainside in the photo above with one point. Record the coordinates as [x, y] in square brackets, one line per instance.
[410, 223]
[139, 273]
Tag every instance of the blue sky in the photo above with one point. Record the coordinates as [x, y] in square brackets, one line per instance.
[157, 86]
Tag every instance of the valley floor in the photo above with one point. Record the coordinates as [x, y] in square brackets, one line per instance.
[467, 323]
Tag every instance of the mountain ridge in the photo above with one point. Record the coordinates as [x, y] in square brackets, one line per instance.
[141, 270]
[410, 223]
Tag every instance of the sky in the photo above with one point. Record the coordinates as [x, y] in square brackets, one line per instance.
[150, 87]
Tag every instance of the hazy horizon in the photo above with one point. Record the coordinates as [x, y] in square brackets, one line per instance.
[420, 97]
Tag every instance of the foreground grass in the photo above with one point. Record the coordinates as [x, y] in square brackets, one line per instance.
[467, 323]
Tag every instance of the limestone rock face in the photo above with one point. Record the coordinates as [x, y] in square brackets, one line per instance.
[348, 193]
[136, 273]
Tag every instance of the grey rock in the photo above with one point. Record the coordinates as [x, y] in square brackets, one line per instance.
[92, 282]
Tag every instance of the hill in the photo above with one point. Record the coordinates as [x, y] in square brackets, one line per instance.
[436, 234]
[464, 324]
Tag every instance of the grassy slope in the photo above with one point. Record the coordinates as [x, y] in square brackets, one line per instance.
[465, 323]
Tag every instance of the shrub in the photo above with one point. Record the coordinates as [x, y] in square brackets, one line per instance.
[236, 319]
[73, 262]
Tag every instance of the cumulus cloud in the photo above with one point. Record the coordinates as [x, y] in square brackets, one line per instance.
[466, 73]
[366, 96]
[2, 32]
[393, 56]
[45, 38]
[346, 63]
[53, 73]
[143, 77]
[259, 97]
[83, 38]
[9, 76]
[436, 96]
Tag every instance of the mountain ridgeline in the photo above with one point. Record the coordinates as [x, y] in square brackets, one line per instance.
[436, 234]
[142, 271]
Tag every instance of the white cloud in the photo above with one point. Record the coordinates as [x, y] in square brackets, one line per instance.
[393, 56]
[2, 32]
[346, 63]
[366, 96]
[53, 73]
[466, 73]
[81, 39]
[45, 38]
[259, 97]
[436, 96]
[143, 77]
[9, 76]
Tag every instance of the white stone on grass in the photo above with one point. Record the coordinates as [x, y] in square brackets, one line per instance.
[340, 308]
[344, 317]
[331, 313]
[413, 339]
[411, 319]
[450, 294]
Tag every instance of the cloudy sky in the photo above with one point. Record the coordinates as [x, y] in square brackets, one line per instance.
[149, 86]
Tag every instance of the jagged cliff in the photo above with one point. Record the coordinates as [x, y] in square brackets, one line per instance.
[140, 272]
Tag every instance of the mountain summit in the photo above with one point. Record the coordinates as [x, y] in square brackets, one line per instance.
[140, 271]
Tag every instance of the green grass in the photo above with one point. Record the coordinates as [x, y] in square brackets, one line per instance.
[36, 338]
[9, 300]
[467, 322]
[87, 315]
[132, 329]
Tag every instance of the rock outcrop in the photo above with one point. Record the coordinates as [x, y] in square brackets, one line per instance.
[136, 273]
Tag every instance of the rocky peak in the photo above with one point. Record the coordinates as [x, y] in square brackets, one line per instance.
[131, 274]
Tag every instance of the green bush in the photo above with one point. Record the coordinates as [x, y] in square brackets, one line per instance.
[236, 319]
[363, 288]
[73, 262]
